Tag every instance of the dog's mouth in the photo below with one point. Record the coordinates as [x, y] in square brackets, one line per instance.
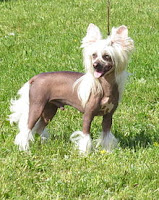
[99, 70]
[98, 74]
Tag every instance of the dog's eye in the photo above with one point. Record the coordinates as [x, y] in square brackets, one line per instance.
[106, 57]
[94, 55]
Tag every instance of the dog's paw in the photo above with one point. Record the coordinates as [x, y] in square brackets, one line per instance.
[107, 141]
[44, 136]
[82, 142]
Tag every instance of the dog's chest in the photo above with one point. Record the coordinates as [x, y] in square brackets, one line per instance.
[106, 105]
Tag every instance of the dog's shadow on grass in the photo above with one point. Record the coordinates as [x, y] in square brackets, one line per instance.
[132, 141]
[63, 137]
[138, 140]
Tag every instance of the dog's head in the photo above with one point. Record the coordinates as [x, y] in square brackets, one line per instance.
[102, 56]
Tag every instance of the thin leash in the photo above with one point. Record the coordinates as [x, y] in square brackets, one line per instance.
[108, 17]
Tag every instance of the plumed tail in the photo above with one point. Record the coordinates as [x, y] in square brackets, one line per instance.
[20, 106]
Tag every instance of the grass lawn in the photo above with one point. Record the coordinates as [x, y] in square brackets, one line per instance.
[45, 35]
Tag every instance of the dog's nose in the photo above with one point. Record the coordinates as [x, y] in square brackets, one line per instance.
[97, 66]
[94, 65]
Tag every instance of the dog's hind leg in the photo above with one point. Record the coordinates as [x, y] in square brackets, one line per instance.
[33, 109]
[40, 129]
[47, 115]
[107, 140]
[26, 124]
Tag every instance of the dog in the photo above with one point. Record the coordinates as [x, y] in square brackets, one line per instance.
[95, 93]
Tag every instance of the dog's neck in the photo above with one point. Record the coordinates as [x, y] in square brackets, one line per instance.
[108, 82]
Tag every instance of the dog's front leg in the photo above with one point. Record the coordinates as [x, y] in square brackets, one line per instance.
[107, 139]
[87, 120]
[82, 138]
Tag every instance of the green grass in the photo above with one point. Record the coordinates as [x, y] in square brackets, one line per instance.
[40, 36]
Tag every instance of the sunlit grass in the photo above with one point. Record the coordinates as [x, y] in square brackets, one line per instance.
[40, 36]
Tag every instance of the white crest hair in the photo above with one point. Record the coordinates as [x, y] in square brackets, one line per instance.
[122, 49]
[118, 45]
[87, 84]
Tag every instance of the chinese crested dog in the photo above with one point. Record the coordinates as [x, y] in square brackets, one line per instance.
[95, 93]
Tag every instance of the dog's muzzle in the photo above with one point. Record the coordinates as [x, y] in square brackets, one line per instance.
[100, 70]
[98, 67]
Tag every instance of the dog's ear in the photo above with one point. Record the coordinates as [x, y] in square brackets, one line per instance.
[122, 31]
[93, 34]
[119, 36]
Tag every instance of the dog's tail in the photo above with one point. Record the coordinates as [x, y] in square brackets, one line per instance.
[20, 107]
